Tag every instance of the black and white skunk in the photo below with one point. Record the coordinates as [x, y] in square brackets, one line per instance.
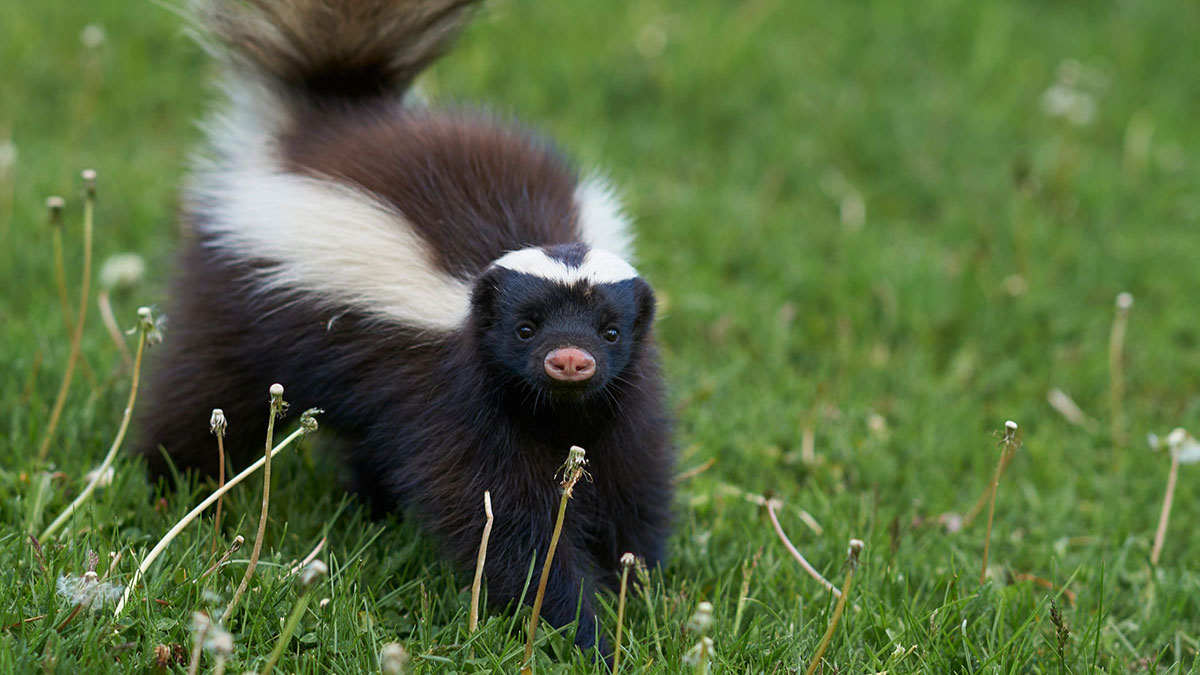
[443, 284]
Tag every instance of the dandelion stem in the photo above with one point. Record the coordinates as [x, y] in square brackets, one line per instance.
[1005, 458]
[217, 425]
[55, 204]
[60, 400]
[627, 561]
[195, 513]
[277, 405]
[114, 331]
[812, 572]
[98, 474]
[572, 471]
[856, 547]
[1009, 441]
[473, 620]
[1116, 375]
[1160, 536]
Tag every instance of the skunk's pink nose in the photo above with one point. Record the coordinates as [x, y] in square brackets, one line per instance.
[570, 364]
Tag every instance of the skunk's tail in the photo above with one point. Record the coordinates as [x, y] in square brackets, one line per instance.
[323, 50]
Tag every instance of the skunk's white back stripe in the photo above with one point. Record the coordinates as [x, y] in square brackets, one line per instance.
[332, 241]
[602, 220]
[599, 267]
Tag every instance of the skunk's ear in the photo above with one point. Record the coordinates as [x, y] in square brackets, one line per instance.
[484, 295]
[646, 304]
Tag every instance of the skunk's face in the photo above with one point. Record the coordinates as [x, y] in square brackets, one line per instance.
[562, 322]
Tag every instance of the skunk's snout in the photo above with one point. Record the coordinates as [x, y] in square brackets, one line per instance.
[570, 364]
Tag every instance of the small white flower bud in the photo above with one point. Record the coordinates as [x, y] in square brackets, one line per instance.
[627, 560]
[1124, 300]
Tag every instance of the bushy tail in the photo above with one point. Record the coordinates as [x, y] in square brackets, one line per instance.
[322, 49]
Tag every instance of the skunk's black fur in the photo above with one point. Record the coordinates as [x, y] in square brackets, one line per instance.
[437, 411]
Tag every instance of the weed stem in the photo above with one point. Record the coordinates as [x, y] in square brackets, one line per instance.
[145, 325]
[277, 406]
[856, 547]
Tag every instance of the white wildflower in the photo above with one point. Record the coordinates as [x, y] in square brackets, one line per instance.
[88, 590]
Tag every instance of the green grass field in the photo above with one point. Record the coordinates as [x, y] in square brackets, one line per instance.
[865, 227]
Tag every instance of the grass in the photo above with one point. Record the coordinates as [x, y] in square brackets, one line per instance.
[861, 223]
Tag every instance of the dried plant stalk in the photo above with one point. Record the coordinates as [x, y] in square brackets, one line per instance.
[473, 620]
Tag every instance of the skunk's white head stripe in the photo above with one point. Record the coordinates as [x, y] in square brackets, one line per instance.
[333, 242]
[598, 267]
[602, 220]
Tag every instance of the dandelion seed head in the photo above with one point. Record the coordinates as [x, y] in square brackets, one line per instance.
[87, 590]
[856, 547]
[89, 182]
[1176, 438]
[1124, 300]
[276, 390]
[393, 658]
[92, 36]
[702, 619]
[700, 653]
[54, 209]
[122, 271]
[627, 560]
[217, 423]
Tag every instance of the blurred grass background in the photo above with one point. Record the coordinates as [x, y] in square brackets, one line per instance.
[869, 220]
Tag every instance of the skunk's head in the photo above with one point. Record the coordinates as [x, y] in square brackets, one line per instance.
[562, 321]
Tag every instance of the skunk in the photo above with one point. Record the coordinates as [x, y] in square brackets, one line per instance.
[442, 283]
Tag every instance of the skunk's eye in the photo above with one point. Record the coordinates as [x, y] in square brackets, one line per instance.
[611, 334]
[526, 331]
